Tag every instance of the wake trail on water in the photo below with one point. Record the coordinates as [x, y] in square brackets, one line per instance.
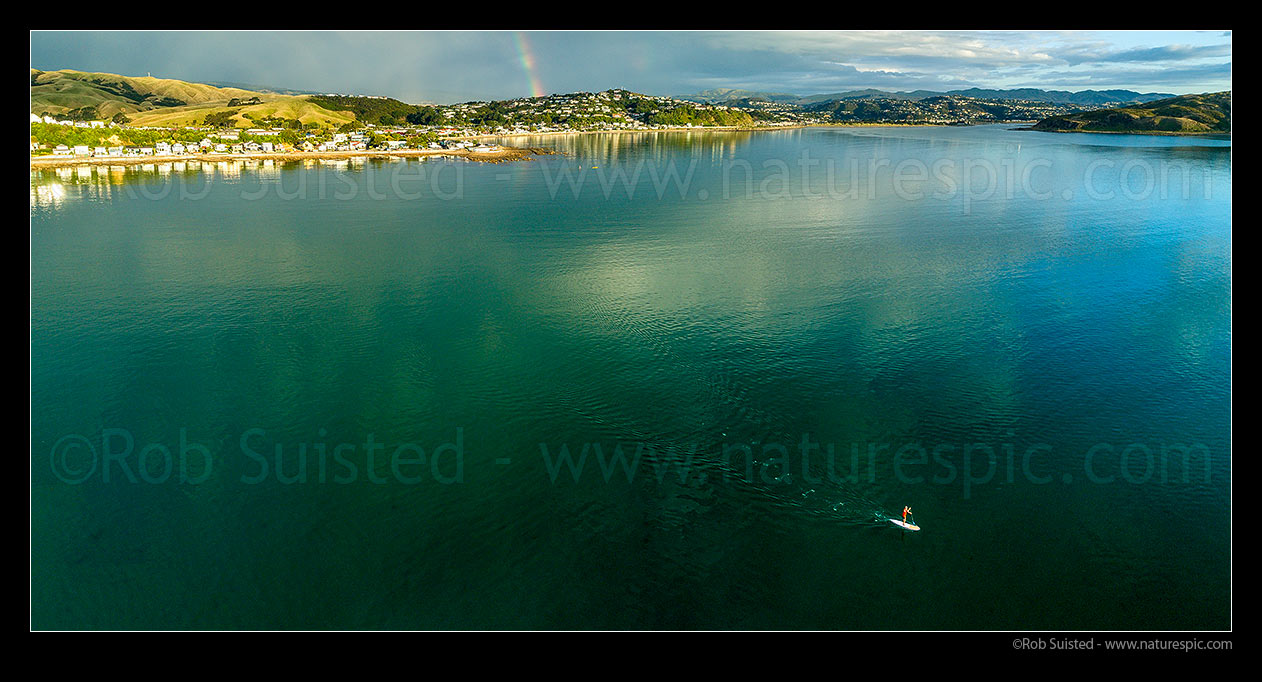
[719, 400]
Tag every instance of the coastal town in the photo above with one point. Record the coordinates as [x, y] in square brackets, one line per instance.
[461, 128]
[475, 129]
[233, 141]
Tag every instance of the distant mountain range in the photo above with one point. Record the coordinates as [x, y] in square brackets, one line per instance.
[1083, 98]
[725, 94]
[1208, 113]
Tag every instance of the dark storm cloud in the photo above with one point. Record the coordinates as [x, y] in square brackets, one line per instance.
[456, 66]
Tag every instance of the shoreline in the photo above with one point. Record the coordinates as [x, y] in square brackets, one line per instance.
[730, 129]
[1211, 134]
[504, 155]
[622, 131]
[511, 154]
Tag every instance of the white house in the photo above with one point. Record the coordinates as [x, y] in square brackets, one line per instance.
[268, 147]
[162, 148]
[61, 150]
[81, 150]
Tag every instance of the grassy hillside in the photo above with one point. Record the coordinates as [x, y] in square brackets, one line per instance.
[62, 91]
[148, 101]
[1187, 114]
[280, 106]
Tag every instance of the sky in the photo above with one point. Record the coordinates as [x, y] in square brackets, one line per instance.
[457, 66]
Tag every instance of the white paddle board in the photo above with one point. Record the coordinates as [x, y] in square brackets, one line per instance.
[904, 524]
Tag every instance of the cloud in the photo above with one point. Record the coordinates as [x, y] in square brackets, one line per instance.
[1164, 53]
[1198, 78]
[453, 66]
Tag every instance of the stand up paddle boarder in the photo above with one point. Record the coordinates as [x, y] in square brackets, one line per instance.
[904, 524]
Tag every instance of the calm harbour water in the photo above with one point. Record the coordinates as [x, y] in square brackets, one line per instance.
[1037, 361]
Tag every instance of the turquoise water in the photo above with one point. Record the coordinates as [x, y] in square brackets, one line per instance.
[1038, 363]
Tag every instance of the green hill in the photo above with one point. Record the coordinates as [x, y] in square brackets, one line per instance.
[278, 106]
[1186, 114]
[148, 101]
[376, 110]
[61, 91]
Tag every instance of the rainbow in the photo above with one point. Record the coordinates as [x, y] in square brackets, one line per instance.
[528, 64]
